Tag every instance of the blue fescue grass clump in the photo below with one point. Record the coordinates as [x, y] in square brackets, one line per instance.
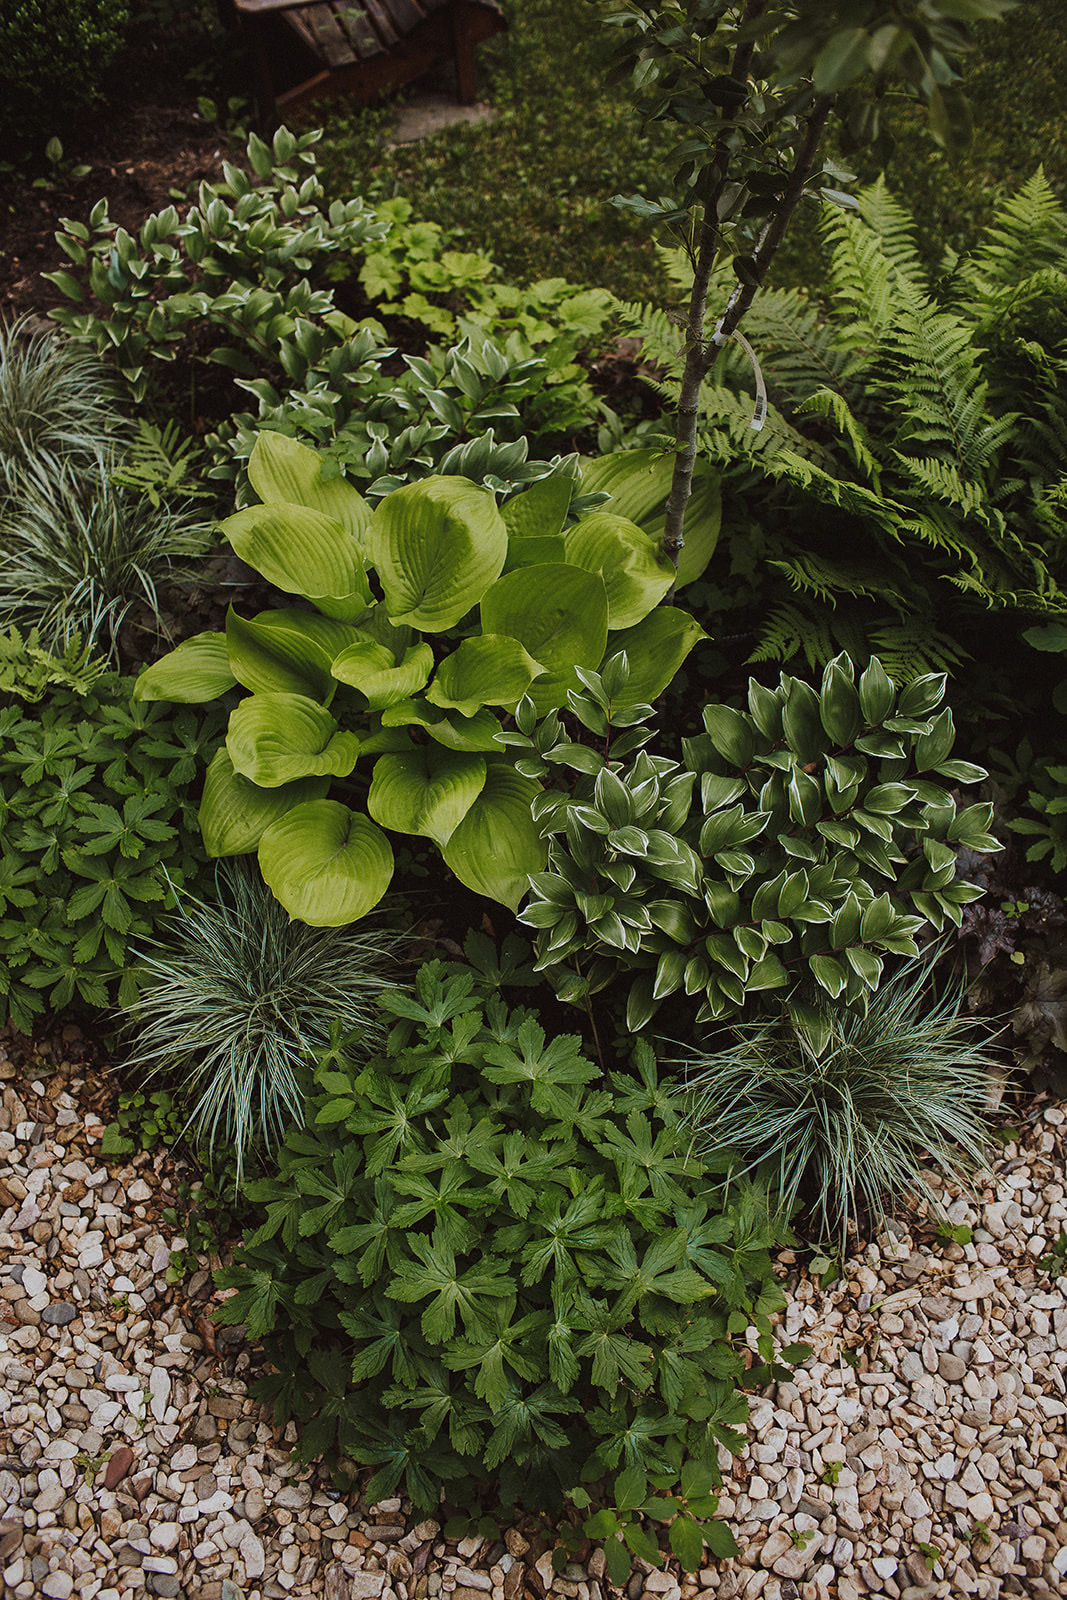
[840, 1107]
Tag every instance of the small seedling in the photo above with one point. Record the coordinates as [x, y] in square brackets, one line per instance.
[832, 1472]
[801, 1537]
[1055, 1262]
[980, 1533]
[954, 1233]
[930, 1554]
[90, 1465]
[823, 1269]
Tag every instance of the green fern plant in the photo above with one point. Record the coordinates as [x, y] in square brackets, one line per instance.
[160, 462]
[909, 481]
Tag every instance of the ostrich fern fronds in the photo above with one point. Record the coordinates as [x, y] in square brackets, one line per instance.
[934, 384]
[873, 256]
[1028, 234]
[912, 647]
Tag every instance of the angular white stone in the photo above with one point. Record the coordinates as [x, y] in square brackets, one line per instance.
[159, 1389]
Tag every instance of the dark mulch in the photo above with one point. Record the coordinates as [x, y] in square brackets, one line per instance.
[145, 142]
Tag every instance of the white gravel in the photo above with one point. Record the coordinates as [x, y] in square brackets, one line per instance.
[920, 1452]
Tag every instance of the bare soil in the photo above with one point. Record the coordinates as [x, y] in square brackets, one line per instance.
[145, 145]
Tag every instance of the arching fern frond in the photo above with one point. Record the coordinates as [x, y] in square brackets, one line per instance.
[827, 403]
[840, 492]
[829, 580]
[934, 382]
[1028, 232]
[894, 229]
[662, 338]
[792, 630]
[912, 648]
[795, 346]
[873, 255]
[941, 479]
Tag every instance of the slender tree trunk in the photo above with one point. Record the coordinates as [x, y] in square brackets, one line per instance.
[701, 352]
[695, 369]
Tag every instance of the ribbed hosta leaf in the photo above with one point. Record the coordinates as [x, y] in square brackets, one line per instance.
[325, 864]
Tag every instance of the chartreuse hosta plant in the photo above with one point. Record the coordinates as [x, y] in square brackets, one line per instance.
[796, 844]
[379, 710]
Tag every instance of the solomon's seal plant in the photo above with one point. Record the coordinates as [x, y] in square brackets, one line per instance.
[380, 709]
[802, 839]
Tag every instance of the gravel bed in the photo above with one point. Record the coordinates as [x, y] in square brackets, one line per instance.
[919, 1452]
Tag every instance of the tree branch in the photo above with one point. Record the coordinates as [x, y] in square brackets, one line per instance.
[695, 369]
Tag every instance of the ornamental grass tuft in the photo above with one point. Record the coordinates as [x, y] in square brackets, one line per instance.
[839, 1107]
[81, 553]
[57, 401]
[238, 999]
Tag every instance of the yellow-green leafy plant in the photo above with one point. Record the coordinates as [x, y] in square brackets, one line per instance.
[379, 705]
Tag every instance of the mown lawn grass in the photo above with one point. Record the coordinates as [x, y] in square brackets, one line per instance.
[533, 188]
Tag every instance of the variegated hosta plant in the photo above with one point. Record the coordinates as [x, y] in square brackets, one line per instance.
[376, 707]
[797, 844]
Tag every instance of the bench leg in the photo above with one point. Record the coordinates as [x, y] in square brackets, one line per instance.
[266, 109]
[463, 46]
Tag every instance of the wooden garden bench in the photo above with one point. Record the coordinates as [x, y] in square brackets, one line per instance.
[362, 48]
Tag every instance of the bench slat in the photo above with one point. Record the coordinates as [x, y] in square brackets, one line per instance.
[328, 38]
[378, 15]
[357, 27]
[406, 14]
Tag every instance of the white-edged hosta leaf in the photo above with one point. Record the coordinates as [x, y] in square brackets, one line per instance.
[198, 670]
[635, 575]
[373, 669]
[437, 546]
[303, 552]
[428, 791]
[279, 658]
[235, 813]
[493, 670]
[274, 738]
[655, 649]
[283, 469]
[327, 865]
[497, 846]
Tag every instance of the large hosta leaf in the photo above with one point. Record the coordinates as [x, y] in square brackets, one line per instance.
[534, 552]
[275, 738]
[639, 482]
[326, 864]
[449, 728]
[541, 510]
[655, 649]
[303, 552]
[283, 469]
[493, 670]
[437, 544]
[279, 657]
[373, 669]
[497, 845]
[235, 813]
[559, 614]
[198, 670]
[428, 791]
[635, 575]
